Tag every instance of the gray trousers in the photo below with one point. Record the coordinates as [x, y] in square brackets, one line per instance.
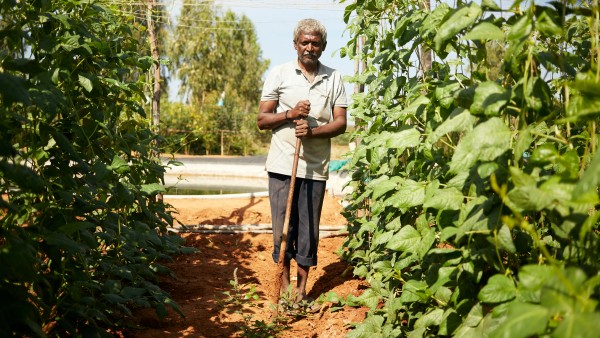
[303, 232]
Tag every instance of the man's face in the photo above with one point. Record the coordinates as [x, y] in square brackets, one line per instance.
[309, 47]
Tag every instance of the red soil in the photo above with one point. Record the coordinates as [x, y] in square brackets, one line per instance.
[203, 277]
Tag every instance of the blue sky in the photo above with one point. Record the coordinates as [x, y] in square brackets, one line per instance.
[274, 21]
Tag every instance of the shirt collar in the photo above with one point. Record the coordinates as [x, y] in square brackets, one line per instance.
[321, 73]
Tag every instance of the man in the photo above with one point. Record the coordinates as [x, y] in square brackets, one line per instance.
[301, 99]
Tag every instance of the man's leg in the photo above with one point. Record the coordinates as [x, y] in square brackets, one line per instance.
[310, 203]
[278, 193]
[301, 286]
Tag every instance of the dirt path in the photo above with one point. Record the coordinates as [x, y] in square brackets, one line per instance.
[203, 277]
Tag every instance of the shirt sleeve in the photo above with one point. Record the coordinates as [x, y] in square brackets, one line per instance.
[272, 85]
[339, 92]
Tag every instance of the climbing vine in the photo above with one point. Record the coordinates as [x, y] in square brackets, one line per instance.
[82, 234]
[475, 202]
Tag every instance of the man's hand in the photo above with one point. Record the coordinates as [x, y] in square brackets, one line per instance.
[302, 128]
[328, 130]
[300, 111]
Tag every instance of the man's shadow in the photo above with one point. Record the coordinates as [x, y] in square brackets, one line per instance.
[236, 216]
[335, 274]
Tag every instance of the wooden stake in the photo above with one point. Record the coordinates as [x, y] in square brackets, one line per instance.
[286, 226]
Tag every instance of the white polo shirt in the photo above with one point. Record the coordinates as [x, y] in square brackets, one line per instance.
[287, 85]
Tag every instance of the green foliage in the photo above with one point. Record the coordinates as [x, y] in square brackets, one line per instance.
[218, 59]
[239, 300]
[475, 203]
[82, 235]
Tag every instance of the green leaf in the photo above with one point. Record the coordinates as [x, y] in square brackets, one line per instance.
[70, 228]
[451, 319]
[86, 83]
[524, 140]
[578, 325]
[449, 256]
[130, 292]
[333, 297]
[113, 298]
[547, 26]
[382, 185]
[112, 286]
[413, 109]
[64, 243]
[586, 83]
[414, 291]
[394, 308]
[522, 320]
[528, 198]
[403, 139]
[348, 11]
[24, 178]
[119, 165]
[464, 97]
[369, 298]
[533, 277]
[505, 240]
[434, 19]
[394, 225]
[544, 154]
[460, 120]
[590, 180]
[407, 239]
[521, 29]
[485, 170]
[432, 318]
[70, 42]
[490, 5]
[152, 188]
[475, 316]
[391, 92]
[444, 275]
[565, 292]
[521, 179]
[484, 31]
[443, 199]
[456, 22]
[161, 310]
[485, 143]
[13, 89]
[559, 193]
[444, 93]
[371, 327]
[568, 164]
[537, 94]
[63, 19]
[361, 271]
[588, 225]
[489, 99]
[418, 333]
[474, 216]
[382, 238]
[383, 267]
[409, 194]
[583, 107]
[498, 289]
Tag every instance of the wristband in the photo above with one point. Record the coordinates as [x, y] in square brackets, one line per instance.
[286, 117]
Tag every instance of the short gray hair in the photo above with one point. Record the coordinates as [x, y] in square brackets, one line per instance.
[309, 26]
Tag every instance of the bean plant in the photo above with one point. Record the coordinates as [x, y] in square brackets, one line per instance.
[474, 210]
[82, 233]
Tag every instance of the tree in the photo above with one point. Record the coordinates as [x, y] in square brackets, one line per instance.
[218, 60]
